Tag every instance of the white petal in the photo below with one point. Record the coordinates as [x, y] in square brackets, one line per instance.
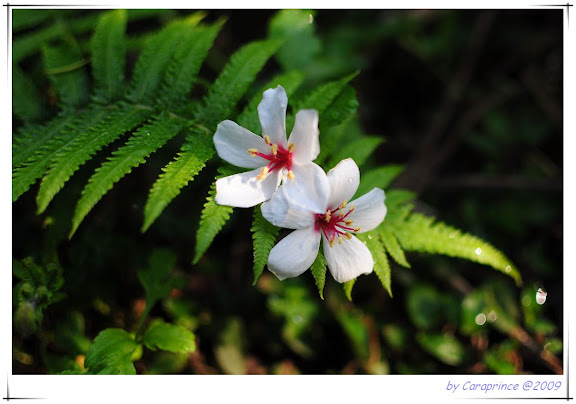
[348, 260]
[369, 210]
[344, 180]
[296, 203]
[272, 113]
[305, 136]
[294, 253]
[244, 190]
[232, 142]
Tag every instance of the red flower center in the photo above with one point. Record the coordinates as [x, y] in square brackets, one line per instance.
[334, 224]
[279, 158]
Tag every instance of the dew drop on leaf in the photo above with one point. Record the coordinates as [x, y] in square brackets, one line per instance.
[480, 319]
[541, 296]
[478, 251]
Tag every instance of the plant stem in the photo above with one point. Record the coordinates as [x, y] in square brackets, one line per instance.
[142, 320]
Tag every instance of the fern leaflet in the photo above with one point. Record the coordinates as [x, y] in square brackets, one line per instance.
[318, 270]
[147, 139]
[264, 236]
[389, 240]
[347, 286]
[358, 150]
[381, 264]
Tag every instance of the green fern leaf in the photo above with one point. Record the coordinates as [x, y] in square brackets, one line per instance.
[186, 63]
[379, 177]
[176, 175]
[318, 270]
[108, 55]
[421, 233]
[341, 108]
[84, 146]
[321, 98]
[391, 243]
[156, 56]
[62, 134]
[264, 236]
[147, 139]
[358, 150]
[26, 99]
[213, 217]
[64, 66]
[381, 264]
[218, 105]
[347, 286]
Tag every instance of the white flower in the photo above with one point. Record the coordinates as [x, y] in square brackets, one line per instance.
[317, 208]
[272, 156]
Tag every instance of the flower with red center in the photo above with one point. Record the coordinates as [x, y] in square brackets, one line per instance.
[271, 156]
[317, 208]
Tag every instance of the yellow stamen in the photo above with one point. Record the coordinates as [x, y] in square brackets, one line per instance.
[357, 229]
[274, 148]
[291, 175]
[351, 209]
[253, 152]
[339, 240]
[263, 173]
[348, 235]
[343, 205]
[348, 222]
[291, 147]
[331, 242]
[267, 140]
[342, 213]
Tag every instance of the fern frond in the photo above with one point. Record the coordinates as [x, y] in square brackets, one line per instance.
[341, 108]
[347, 286]
[358, 150]
[156, 56]
[64, 66]
[62, 133]
[381, 263]
[422, 234]
[26, 99]
[147, 139]
[176, 175]
[70, 158]
[218, 105]
[108, 48]
[186, 63]
[321, 98]
[213, 216]
[386, 235]
[318, 270]
[264, 236]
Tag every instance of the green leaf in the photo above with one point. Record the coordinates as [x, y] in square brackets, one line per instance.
[156, 56]
[358, 150]
[379, 177]
[391, 243]
[64, 65]
[321, 98]
[264, 236]
[26, 99]
[110, 353]
[444, 347]
[341, 108]
[381, 264]
[108, 48]
[213, 217]
[318, 270]
[145, 141]
[156, 280]
[218, 105]
[85, 144]
[421, 233]
[300, 43]
[59, 135]
[184, 67]
[169, 337]
[348, 288]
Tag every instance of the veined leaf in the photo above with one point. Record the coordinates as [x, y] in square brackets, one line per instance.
[213, 217]
[386, 235]
[358, 150]
[321, 98]
[156, 56]
[111, 352]
[186, 63]
[318, 270]
[59, 135]
[156, 279]
[169, 337]
[381, 264]
[64, 66]
[379, 177]
[341, 108]
[218, 104]
[264, 236]
[147, 139]
[108, 55]
[421, 233]
[70, 158]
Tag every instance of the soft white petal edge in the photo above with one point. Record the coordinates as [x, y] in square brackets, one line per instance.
[244, 190]
[232, 142]
[348, 260]
[272, 114]
[369, 210]
[294, 254]
[305, 136]
[298, 200]
[344, 180]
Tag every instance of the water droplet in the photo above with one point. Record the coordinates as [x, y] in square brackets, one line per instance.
[452, 235]
[370, 237]
[478, 251]
[350, 179]
[480, 319]
[508, 268]
[541, 296]
[310, 18]
[492, 316]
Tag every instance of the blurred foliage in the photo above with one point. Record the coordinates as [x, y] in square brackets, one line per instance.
[469, 103]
